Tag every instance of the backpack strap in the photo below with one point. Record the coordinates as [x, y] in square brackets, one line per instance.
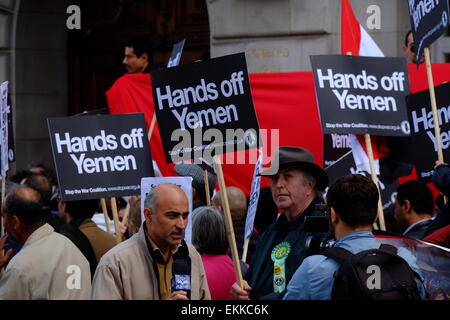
[341, 255]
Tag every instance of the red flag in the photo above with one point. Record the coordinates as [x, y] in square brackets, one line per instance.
[283, 101]
[356, 41]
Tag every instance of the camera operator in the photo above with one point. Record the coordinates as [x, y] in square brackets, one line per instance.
[352, 206]
[296, 184]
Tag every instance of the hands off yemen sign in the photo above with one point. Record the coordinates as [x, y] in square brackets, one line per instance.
[429, 20]
[205, 108]
[422, 128]
[361, 94]
[4, 128]
[100, 156]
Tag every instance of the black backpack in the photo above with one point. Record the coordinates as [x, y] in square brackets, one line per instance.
[357, 276]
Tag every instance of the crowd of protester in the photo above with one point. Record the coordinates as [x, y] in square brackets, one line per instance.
[55, 249]
[54, 235]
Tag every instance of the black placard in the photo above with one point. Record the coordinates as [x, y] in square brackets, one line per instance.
[346, 165]
[11, 144]
[429, 20]
[334, 147]
[175, 56]
[361, 94]
[100, 156]
[423, 138]
[205, 108]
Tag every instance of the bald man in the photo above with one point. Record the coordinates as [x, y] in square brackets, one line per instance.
[49, 266]
[237, 201]
[140, 268]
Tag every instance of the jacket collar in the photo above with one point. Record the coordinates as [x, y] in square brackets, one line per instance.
[39, 233]
[181, 253]
[282, 221]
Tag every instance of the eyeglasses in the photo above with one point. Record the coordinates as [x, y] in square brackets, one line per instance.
[412, 48]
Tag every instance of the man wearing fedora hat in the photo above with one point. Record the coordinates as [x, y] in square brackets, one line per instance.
[297, 184]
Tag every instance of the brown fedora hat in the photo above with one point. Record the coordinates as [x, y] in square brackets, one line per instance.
[299, 158]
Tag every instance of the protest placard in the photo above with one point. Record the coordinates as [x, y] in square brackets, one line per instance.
[361, 95]
[429, 20]
[11, 143]
[252, 205]
[346, 165]
[100, 156]
[334, 147]
[423, 136]
[4, 163]
[175, 56]
[205, 108]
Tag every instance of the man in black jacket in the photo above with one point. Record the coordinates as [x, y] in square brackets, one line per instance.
[413, 208]
[296, 185]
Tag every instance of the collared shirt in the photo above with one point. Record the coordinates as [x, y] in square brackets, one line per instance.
[314, 279]
[39, 270]
[164, 268]
[415, 224]
[284, 226]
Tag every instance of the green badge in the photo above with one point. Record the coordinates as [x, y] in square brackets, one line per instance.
[279, 256]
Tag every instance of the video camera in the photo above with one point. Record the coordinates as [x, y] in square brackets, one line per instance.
[318, 235]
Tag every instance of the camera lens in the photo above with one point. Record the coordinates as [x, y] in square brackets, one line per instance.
[317, 245]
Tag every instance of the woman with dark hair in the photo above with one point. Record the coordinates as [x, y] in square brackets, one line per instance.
[209, 236]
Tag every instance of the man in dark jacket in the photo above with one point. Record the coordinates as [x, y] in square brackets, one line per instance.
[413, 208]
[296, 185]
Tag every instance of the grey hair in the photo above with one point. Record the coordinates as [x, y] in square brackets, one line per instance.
[209, 233]
[309, 178]
[150, 201]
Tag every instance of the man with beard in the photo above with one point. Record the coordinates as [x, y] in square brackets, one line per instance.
[352, 206]
[140, 268]
[138, 55]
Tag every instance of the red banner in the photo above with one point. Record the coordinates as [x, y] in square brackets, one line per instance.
[283, 101]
